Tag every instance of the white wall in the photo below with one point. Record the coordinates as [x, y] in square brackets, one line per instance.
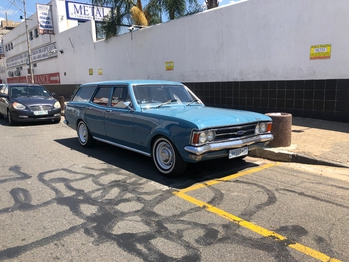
[246, 41]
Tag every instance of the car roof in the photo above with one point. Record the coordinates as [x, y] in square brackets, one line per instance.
[21, 84]
[134, 82]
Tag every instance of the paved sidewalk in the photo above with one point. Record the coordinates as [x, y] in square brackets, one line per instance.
[313, 142]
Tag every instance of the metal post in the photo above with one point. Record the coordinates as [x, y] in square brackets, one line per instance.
[29, 51]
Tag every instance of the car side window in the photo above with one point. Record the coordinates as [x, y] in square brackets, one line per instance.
[117, 96]
[120, 96]
[102, 96]
[84, 94]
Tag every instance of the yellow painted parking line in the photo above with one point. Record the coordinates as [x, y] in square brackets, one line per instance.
[246, 224]
[227, 178]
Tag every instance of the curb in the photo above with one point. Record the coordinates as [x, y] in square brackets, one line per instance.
[292, 157]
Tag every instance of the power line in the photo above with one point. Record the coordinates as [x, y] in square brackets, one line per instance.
[12, 9]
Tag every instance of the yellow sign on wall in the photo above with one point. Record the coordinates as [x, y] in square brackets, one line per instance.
[320, 52]
[100, 71]
[169, 65]
[90, 71]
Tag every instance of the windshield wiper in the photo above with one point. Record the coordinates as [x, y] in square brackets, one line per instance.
[167, 102]
[192, 101]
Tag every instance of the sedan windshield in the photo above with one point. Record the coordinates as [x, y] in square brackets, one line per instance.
[29, 91]
[163, 94]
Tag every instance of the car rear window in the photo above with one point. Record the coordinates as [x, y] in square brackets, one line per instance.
[84, 94]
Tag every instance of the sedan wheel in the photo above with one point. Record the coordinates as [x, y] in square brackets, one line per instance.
[84, 135]
[10, 119]
[167, 158]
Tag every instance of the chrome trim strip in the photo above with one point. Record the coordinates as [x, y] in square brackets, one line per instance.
[228, 145]
[122, 146]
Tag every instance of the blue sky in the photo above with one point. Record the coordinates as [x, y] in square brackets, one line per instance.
[14, 8]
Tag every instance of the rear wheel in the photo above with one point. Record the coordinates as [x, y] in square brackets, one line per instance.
[84, 135]
[167, 158]
[1, 116]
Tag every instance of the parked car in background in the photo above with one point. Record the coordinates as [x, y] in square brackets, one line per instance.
[163, 120]
[28, 103]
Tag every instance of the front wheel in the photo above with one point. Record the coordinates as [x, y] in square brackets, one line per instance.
[167, 158]
[10, 120]
[84, 135]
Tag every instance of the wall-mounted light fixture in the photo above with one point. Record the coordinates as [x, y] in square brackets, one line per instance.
[61, 51]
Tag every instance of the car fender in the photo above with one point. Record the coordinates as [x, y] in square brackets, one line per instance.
[174, 132]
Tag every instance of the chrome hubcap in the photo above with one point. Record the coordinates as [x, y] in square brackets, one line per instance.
[164, 155]
[82, 133]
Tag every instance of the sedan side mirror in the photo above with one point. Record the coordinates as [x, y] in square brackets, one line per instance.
[123, 104]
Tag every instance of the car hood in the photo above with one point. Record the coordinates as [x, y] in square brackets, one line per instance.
[204, 117]
[34, 100]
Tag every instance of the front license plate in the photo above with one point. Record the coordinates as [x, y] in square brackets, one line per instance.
[238, 152]
[40, 113]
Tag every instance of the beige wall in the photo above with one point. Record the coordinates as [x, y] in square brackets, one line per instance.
[247, 41]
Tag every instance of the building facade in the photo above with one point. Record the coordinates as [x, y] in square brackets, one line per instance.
[264, 56]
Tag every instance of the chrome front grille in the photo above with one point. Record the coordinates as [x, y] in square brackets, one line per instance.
[234, 132]
[40, 108]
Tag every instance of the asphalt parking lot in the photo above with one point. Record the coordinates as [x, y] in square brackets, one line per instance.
[59, 201]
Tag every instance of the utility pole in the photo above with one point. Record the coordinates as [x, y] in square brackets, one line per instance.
[29, 51]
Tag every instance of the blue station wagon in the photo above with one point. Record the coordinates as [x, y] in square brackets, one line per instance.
[163, 120]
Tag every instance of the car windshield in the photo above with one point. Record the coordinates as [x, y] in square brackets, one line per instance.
[29, 91]
[160, 95]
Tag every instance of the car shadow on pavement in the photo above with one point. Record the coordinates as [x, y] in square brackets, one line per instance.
[143, 166]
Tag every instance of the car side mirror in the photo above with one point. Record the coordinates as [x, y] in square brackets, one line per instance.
[127, 104]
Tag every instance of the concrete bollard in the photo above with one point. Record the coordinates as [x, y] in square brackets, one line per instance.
[281, 129]
[61, 101]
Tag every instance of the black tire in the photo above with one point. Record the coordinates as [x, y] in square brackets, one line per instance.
[84, 135]
[1, 116]
[10, 120]
[56, 121]
[167, 158]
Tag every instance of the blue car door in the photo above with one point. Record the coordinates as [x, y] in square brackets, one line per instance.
[96, 111]
[119, 118]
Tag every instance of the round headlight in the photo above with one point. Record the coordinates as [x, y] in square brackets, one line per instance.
[202, 137]
[210, 135]
[256, 130]
[263, 127]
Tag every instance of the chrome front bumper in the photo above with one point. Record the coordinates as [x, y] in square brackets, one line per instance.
[249, 141]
